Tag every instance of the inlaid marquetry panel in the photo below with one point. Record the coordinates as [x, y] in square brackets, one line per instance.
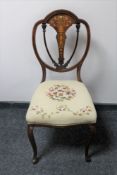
[61, 23]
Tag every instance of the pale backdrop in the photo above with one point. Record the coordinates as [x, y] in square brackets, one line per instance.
[20, 72]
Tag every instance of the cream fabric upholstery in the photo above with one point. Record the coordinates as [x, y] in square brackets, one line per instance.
[61, 102]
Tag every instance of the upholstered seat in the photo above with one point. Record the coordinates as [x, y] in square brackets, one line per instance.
[61, 103]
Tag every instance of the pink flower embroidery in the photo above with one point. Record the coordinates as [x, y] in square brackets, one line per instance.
[61, 92]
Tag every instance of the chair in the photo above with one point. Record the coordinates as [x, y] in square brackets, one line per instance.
[61, 103]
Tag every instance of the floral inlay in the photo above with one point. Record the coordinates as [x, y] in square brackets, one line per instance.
[61, 92]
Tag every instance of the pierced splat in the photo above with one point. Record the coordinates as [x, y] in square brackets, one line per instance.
[61, 23]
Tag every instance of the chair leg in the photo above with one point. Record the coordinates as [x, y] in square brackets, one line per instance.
[33, 143]
[92, 128]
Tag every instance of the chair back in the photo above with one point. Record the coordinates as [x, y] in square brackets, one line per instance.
[61, 21]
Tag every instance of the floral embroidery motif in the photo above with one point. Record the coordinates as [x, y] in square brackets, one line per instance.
[61, 108]
[40, 111]
[61, 92]
[82, 111]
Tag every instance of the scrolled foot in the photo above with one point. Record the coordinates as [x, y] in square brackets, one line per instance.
[35, 160]
[88, 159]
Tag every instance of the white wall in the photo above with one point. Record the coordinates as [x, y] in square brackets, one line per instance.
[20, 72]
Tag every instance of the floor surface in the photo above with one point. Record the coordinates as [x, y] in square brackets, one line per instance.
[61, 150]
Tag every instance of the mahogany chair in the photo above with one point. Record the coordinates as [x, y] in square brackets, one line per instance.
[61, 103]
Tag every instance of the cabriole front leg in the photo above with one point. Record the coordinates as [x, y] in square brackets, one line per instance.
[33, 143]
[92, 129]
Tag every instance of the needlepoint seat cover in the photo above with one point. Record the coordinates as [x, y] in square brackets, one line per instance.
[61, 103]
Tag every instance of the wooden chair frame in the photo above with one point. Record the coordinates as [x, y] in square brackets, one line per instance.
[60, 20]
